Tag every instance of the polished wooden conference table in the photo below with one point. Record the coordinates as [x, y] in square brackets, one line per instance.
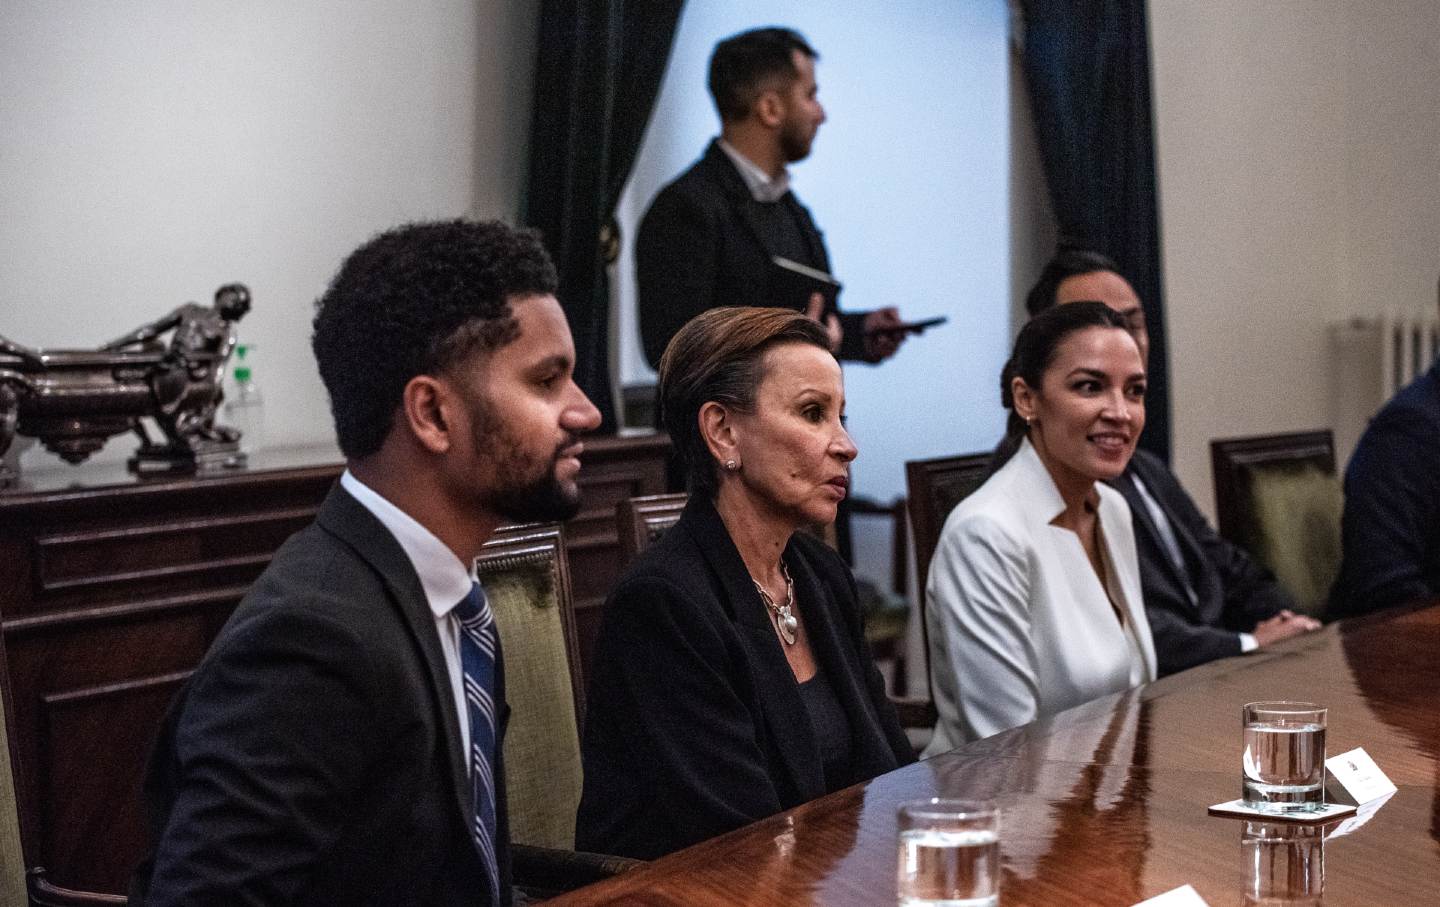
[1105, 804]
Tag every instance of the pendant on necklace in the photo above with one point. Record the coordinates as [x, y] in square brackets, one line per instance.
[787, 624]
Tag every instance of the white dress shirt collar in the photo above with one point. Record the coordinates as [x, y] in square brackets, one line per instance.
[443, 577]
[762, 187]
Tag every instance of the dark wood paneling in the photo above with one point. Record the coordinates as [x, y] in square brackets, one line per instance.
[75, 738]
[113, 587]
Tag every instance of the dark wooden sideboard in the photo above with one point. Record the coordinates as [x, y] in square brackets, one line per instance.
[112, 588]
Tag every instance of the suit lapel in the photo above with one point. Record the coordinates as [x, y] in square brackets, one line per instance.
[784, 712]
[347, 518]
[1141, 515]
[813, 241]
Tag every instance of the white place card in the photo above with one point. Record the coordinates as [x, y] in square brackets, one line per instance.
[1184, 896]
[1354, 777]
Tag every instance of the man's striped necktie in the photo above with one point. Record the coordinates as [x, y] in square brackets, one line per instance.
[479, 652]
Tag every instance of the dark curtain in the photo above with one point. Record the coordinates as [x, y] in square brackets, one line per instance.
[598, 69]
[1088, 67]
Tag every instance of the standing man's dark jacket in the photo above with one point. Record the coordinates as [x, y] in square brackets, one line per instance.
[1232, 592]
[314, 757]
[1390, 531]
[706, 242]
[695, 724]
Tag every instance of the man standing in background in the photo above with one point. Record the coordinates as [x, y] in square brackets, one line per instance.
[712, 236]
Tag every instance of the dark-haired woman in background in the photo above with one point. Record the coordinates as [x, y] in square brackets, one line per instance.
[1034, 591]
[731, 677]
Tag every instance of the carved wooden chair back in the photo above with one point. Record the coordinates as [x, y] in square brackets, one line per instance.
[1278, 497]
[642, 519]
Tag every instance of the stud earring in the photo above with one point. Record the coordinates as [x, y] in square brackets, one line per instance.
[731, 465]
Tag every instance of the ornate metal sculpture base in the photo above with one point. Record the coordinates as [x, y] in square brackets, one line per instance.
[164, 459]
[76, 400]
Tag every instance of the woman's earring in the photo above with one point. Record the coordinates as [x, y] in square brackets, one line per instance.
[731, 465]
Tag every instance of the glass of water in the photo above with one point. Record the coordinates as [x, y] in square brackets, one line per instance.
[949, 854]
[1284, 761]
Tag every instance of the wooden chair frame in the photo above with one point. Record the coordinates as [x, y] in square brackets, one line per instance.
[641, 519]
[924, 480]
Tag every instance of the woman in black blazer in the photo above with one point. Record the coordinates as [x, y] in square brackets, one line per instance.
[732, 679]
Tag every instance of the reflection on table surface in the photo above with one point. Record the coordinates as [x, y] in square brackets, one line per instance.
[1105, 804]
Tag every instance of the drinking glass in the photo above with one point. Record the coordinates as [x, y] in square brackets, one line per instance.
[1284, 761]
[1285, 864]
[949, 854]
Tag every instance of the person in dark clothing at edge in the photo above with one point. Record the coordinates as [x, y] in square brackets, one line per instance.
[1390, 530]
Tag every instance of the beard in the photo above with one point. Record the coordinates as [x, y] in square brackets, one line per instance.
[526, 490]
[545, 499]
[795, 141]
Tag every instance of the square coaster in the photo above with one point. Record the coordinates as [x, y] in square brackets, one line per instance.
[1238, 810]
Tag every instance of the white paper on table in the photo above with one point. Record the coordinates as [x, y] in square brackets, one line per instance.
[1184, 896]
[1362, 815]
[1354, 777]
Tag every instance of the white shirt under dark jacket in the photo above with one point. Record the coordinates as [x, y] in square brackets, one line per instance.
[444, 579]
[1020, 625]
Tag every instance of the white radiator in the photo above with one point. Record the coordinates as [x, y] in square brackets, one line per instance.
[1407, 349]
[1373, 357]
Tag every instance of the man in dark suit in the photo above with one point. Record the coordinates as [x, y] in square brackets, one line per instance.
[1390, 531]
[709, 237]
[340, 743]
[1205, 598]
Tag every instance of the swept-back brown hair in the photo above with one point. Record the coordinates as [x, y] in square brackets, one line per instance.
[717, 356]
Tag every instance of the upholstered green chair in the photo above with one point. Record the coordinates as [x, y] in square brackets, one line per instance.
[527, 580]
[1277, 496]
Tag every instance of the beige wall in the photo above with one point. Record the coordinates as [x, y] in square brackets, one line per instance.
[154, 150]
[1299, 167]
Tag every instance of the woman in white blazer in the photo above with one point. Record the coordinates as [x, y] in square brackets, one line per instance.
[1034, 590]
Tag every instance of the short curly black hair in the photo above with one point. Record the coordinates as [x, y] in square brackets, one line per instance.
[412, 301]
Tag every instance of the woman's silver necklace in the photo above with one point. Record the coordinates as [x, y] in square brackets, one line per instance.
[784, 614]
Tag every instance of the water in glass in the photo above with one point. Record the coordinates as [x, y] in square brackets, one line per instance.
[949, 868]
[1284, 766]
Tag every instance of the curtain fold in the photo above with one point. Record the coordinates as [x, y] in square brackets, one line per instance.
[599, 64]
[1087, 63]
